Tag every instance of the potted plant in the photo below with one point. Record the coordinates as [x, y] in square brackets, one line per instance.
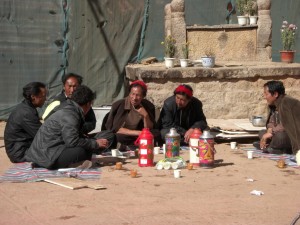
[170, 50]
[252, 9]
[242, 7]
[288, 36]
[208, 61]
[185, 48]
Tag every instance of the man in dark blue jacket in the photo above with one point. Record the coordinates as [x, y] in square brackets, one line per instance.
[24, 122]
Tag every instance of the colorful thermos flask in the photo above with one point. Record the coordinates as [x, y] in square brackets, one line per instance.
[206, 150]
[172, 143]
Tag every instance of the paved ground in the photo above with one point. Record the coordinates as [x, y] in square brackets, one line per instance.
[202, 196]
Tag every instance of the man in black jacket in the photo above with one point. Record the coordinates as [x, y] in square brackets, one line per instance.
[183, 112]
[24, 122]
[59, 142]
[70, 82]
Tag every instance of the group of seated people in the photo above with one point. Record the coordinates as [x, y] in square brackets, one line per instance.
[64, 137]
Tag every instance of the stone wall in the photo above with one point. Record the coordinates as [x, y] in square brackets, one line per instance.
[226, 42]
[226, 92]
[224, 99]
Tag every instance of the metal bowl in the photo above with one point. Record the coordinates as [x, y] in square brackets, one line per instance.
[258, 121]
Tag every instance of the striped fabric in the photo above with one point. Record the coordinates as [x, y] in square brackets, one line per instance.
[23, 172]
[288, 158]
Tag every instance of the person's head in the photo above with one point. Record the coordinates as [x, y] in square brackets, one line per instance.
[84, 97]
[183, 94]
[272, 90]
[137, 92]
[71, 81]
[36, 93]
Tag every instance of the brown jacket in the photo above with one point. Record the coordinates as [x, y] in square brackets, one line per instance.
[289, 111]
[120, 110]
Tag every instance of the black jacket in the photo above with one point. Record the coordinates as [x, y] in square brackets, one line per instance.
[61, 130]
[21, 127]
[90, 118]
[191, 116]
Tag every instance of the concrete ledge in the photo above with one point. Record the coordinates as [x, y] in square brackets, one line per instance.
[222, 70]
[220, 27]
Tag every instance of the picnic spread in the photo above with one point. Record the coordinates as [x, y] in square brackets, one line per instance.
[171, 156]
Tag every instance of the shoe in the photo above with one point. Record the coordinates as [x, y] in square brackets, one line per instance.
[256, 144]
[275, 151]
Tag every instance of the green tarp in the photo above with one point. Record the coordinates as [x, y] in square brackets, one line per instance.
[40, 40]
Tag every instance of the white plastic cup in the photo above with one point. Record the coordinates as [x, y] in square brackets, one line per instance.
[233, 145]
[167, 165]
[159, 165]
[114, 152]
[156, 150]
[177, 165]
[177, 173]
[250, 154]
[174, 165]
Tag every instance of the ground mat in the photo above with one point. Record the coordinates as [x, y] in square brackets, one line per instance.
[23, 172]
[289, 159]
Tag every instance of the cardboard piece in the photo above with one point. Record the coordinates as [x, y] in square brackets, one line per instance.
[73, 183]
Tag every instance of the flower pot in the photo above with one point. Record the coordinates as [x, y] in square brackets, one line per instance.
[184, 62]
[287, 56]
[253, 20]
[242, 20]
[169, 62]
[208, 61]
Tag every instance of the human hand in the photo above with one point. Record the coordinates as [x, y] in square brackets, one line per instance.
[263, 141]
[187, 135]
[103, 143]
[142, 111]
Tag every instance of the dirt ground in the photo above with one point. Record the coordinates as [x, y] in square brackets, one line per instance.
[201, 196]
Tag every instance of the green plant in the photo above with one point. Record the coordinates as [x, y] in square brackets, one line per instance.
[170, 47]
[242, 6]
[185, 48]
[288, 35]
[252, 7]
[209, 53]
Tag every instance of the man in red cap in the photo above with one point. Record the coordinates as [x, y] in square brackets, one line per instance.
[183, 112]
[130, 115]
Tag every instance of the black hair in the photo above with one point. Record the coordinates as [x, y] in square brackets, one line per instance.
[83, 95]
[183, 93]
[65, 77]
[33, 88]
[275, 86]
[144, 90]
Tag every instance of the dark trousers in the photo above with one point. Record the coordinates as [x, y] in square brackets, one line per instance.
[280, 140]
[109, 136]
[72, 155]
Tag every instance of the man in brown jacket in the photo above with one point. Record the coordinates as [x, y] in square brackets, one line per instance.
[288, 109]
[130, 115]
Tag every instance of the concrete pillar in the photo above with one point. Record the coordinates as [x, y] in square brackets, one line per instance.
[178, 25]
[168, 22]
[264, 31]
